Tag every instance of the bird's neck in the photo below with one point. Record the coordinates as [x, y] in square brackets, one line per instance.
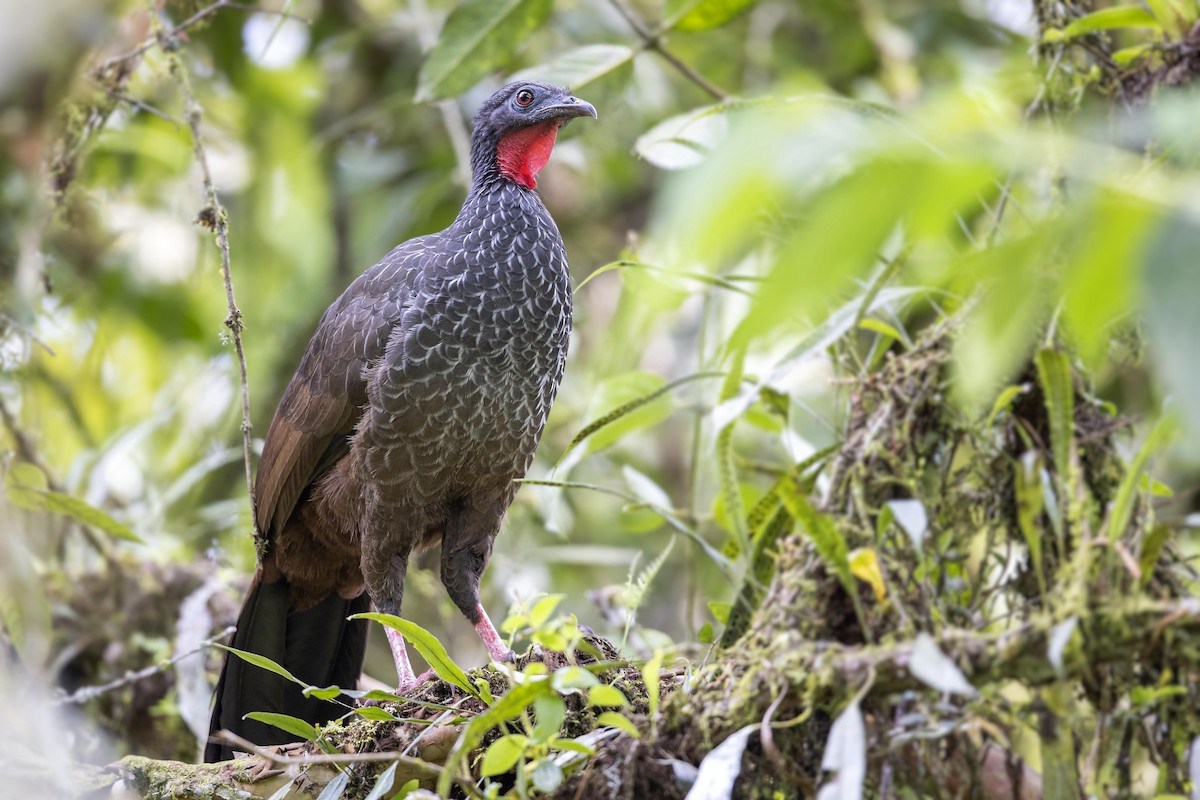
[516, 156]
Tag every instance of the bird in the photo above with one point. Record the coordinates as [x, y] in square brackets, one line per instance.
[418, 402]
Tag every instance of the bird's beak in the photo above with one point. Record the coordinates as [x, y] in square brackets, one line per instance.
[571, 107]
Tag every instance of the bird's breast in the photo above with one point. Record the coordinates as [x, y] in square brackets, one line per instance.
[472, 369]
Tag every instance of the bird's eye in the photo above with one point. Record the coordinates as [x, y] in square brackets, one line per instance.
[524, 97]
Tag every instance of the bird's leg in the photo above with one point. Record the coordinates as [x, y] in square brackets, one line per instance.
[466, 547]
[406, 679]
[490, 637]
[386, 587]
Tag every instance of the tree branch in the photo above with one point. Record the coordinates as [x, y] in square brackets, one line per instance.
[214, 217]
[653, 41]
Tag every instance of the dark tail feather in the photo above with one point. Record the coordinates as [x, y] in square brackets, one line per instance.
[317, 645]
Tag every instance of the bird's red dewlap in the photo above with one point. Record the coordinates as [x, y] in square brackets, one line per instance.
[523, 152]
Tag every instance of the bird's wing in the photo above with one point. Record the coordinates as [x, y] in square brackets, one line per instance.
[323, 402]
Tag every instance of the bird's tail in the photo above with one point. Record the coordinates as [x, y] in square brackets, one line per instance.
[317, 645]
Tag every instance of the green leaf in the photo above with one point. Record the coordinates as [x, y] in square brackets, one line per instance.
[1058, 388]
[627, 408]
[706, 635]
[429, 647]
[580, 66]
[727, 477]
[684, 140]
[846, 227]
[622, 404]
[383, 784]
[1152, 549]
[503, 754]
[263, 662]
[539, 615]
[1003, 401]
[1000, 332]
[550, 711]
[1171, 283]
[504, 709]
[720, 611]
[1103, 20]
[1156, 488]
[614, 719]
[547, 776]
[574, 678]
[1099, 279]
[26, 489]
[375, 713]
[651, 679]
[285, 722]
[1122, 505]
[1027, 481]
[699, 15]
[1175, 16]
[336, 787]
[325, 693]
[605, 695]
[830, 544]
[574, 745]
[880, 327]
[479, 36]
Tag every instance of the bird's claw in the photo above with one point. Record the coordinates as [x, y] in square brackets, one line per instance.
[405, 686]
[507, 657]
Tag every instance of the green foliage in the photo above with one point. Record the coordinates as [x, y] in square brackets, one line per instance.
[800, 223]
[477, 38]
[429, 647]
[284, 722]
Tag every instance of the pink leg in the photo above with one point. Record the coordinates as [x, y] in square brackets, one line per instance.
[406, 680]
[490, 637]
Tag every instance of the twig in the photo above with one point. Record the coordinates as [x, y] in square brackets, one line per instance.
[141, 106]
[88, 693]
[25, 331]
[653, 41]
[161, 37]
[165, 38]
[214, 217]
[275, 757]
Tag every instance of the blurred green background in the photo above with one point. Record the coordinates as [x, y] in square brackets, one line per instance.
[787, 178]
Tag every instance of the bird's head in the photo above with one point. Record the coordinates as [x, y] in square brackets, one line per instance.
[516, 127]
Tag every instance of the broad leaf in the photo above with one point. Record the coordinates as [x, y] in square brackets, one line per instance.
[720, 769]
[503, 754]
[846, 754]
[1103, 20]
[285, 722]
[263, 662]
[383, 784]
[605, 695]
[684, 140]
[26, 489]
[699, 15]
[336, 787]
[935, 669]
[504, 709]
[615, 719]
[429, 647]
[479, 36]
[580, 66]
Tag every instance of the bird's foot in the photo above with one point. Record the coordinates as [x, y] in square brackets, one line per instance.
[504, 657]
[407, 684]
